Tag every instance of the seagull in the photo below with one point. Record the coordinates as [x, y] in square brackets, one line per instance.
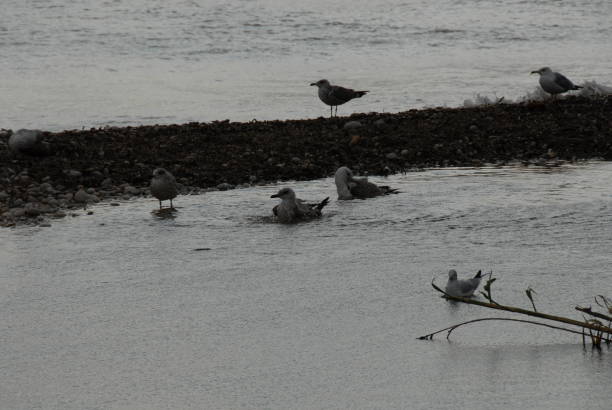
[334, 95]
[462, 288]
[28, 142]
[349, 187]
[163, 186]
[553, 82]
[292, 209]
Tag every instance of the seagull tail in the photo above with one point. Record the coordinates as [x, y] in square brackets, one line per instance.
[577, 87]
[322, 204]
[478, 275]
[386, 190]
[359, 94]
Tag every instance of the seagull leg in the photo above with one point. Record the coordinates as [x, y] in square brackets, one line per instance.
[160, 205]
[336, 110]
[171, 207]
[331, 111]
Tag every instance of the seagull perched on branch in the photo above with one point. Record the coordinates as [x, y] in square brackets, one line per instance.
[462, 288]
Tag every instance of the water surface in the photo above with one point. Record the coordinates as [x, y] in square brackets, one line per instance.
[119, 310]
[72, 64]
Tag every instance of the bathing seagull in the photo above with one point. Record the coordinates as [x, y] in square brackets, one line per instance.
[553, 82]
[334, 95]
[349, 187]
[163, 186]
[28, 142]
[462, 287]
[292, 209]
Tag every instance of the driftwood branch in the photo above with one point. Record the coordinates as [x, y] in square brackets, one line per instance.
[451, 328]
[585, 325]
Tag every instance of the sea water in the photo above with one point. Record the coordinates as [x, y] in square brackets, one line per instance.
[217, 306]
[79, 64]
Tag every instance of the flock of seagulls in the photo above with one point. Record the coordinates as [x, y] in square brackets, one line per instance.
[291, 209]
[334, 95]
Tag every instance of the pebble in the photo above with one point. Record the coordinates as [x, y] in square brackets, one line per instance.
[81, 196]
[225, 186]
[392, 155]
[73, 173]
[352, 125]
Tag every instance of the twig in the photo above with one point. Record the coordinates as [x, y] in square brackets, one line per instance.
[595, 314]
[451, 328]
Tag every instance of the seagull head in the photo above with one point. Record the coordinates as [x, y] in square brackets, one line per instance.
[543, 70]
[343, 179]
[452, 274]
[284, 193]
[159, 172]
[321, 83]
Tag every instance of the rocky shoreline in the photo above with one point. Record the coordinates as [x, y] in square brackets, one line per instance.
[116, 163]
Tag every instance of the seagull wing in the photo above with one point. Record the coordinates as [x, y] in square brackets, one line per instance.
[343, 94]
[563, 81]
[362, 188]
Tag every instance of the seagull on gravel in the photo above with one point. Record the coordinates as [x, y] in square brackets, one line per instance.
[334, 95]
[554, 83]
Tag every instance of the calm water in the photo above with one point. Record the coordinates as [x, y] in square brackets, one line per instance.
[82, 63]
[118, 310]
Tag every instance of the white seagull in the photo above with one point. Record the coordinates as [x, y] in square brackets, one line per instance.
[463, 288]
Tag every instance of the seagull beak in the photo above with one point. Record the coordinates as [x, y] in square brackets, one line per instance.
[313, 83]
[274, 196]
[534, 72]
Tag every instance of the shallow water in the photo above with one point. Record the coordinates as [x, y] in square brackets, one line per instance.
[219, 307]
[72, 64]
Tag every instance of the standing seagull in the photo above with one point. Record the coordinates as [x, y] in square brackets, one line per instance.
[554, 83]
[334, 95]
[460, 287]
[349, 187]
[163, 186]
[292, 209]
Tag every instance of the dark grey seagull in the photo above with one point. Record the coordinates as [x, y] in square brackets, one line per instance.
[554, 83]
[292, 209]
[163, 186]
[334, 95]
[349, 187]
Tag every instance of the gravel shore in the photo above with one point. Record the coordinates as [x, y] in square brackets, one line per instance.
[88, 166]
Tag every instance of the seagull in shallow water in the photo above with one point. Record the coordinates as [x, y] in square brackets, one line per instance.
[349, 187]
[554, 83]
[163, 186]
[462, 287]
[292, 209]
[334, 95]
